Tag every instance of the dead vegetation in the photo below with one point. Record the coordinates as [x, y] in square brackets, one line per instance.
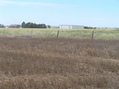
[63, 63]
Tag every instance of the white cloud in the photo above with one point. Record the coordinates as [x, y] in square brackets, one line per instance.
[26, 3]
[10, 2]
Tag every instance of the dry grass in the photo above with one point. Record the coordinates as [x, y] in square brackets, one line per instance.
[51, 63]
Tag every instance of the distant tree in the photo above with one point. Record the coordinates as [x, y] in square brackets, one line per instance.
[43, 26]
[48, 26]
[86, 27]
[23, 25]
[33, 25]
[2, 26]
[27, 25]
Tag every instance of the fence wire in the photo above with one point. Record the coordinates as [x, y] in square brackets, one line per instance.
[84, 34]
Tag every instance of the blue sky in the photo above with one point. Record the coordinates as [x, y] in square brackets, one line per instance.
[96, 13]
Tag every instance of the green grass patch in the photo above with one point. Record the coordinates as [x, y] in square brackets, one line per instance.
[63, 33]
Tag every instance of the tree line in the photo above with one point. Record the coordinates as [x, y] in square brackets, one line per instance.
[33, 25]
[86, 27]
[2, 26]
[26, 25]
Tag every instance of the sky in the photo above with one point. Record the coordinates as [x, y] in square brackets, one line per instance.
[95, 13]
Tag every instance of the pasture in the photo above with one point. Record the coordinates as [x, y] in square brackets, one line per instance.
[58, 63]
[37, 59]
[83, 34]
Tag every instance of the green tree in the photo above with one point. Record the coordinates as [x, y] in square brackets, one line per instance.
[2, 26]
[33, 25]
[23, 25]
[48, 26]
[43, 26]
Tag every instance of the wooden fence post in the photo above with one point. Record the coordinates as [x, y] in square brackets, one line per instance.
[4, 32]
[31, 32]
[57, 33]
[92, 34]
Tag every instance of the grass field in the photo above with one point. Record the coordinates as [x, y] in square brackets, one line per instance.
[85, 33]
[58, 63]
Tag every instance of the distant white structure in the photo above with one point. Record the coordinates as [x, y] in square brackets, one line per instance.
[71, 27]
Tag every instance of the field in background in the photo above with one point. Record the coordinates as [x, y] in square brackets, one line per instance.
[85, 33]
[58, 63]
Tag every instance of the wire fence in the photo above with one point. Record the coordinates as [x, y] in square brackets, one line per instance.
[58, 33]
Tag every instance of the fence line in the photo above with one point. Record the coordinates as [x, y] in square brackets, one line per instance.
[88, 34]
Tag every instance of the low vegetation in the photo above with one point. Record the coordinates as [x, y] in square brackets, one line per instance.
[58, 63]
[84, 34]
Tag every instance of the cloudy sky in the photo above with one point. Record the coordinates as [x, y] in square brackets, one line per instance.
[98, 13]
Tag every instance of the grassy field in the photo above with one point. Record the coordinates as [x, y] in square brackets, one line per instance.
[85, 33]
[58, 63]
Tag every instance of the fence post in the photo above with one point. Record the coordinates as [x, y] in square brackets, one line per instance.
[4, 32]
[31, 32]
[92, 34]
[57, 33]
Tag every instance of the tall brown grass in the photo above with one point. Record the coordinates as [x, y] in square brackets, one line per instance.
[63, 63]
